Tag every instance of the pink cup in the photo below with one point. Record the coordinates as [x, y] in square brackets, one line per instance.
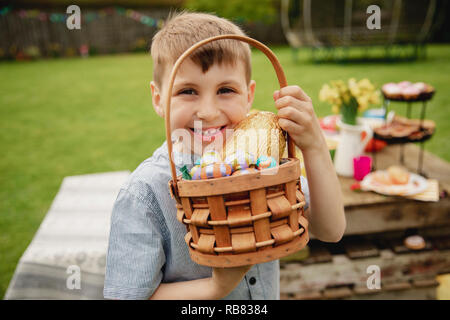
[361, 167]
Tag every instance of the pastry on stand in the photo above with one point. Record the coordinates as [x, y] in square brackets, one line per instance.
[405, 130]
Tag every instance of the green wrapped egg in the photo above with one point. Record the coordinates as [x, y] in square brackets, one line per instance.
[195, 172]
[208, 158]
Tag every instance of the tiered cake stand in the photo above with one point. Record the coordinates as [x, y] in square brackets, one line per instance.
[423, 98]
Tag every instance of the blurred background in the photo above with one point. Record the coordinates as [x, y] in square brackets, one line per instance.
[77, 102]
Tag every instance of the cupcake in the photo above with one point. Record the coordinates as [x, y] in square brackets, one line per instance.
[392, 91]
[410, 93]
[429, 88]
[421, 86]
[404, 84]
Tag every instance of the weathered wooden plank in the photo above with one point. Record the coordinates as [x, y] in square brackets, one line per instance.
[337, 293]
[360, 249]
[428, 293]
[299, 278]
[397, 216]
[425, 283]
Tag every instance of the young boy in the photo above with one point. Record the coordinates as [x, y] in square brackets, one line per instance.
[147, 256]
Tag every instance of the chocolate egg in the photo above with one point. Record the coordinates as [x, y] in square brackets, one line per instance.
[259, 134]
[244, 171]
[265, 162]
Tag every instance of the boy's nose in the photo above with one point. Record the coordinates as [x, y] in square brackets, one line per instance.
[207, 112]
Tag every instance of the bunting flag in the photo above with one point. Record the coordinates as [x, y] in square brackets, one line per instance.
[87, 17]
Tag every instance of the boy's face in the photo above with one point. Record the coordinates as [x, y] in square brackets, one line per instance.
[205, 105]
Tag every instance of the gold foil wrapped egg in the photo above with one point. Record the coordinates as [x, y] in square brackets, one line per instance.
[258, 134]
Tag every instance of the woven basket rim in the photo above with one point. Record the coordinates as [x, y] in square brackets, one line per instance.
[285, 172]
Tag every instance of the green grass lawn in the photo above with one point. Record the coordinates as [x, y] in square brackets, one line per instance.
[77, 116]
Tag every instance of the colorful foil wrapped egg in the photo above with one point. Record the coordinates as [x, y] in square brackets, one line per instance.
[244, 171]
[240, 160]
[266, 162]
[208, 158]
[195, 172]
[210, 171]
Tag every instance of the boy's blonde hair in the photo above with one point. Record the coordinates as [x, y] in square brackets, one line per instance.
[182, 30]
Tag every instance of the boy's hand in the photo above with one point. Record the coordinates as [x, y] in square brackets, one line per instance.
[298, 118]
[224, 280]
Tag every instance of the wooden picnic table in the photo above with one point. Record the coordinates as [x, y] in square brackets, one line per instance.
[376, 227]
[369, 212]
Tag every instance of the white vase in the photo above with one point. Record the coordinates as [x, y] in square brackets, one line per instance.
[350, 146]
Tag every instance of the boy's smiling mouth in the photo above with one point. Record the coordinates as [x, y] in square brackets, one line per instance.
[209, 133]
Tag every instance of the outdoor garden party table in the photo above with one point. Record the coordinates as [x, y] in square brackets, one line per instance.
[376, 228]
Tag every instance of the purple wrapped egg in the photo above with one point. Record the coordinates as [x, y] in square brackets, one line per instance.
[240, 160]
[210, 171]
[215, 170]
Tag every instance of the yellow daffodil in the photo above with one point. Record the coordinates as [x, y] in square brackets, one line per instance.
[335, 108]
[349, 95]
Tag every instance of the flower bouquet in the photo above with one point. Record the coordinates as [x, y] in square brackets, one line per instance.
[349, 98]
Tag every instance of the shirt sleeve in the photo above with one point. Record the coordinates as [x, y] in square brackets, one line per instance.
[305, 190]
[135, 255]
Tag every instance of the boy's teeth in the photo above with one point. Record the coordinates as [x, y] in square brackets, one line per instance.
[208, 132]
[211, 131]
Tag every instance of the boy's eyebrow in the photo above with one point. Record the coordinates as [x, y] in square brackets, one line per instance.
[191, 84]
[185, 84]
[231, 81]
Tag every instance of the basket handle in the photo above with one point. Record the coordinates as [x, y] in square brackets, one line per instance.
[275, 63]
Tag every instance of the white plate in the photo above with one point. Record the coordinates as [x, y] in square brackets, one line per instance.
[416, 184]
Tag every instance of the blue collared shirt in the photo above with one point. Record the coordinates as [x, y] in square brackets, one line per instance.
[146, 242]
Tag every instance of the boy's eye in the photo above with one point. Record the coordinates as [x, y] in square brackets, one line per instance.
[187, 91]
[225, 90]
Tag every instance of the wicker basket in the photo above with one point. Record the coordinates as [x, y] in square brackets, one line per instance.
[245, 219]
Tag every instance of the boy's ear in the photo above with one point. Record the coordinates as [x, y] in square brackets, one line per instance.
[156, 99]
[251, 94]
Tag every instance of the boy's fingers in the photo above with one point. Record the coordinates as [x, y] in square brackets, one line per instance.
[291, 113]
[290, 126]
[294, 91]
[276, 95]
[293, 102]
[286, 101]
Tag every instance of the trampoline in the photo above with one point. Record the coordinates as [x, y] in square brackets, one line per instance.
[331, 27]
